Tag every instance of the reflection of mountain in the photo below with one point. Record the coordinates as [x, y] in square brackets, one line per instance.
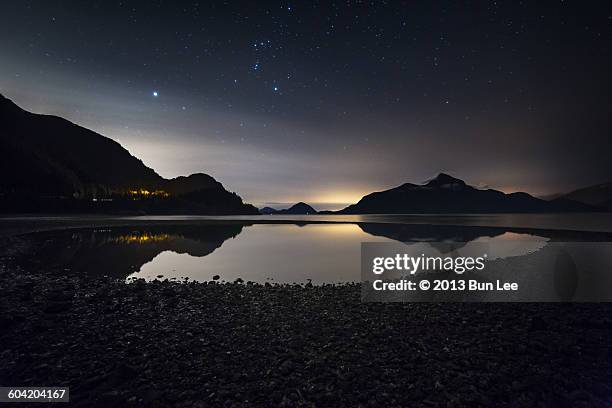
[465, 233]
[446, 194]
[121, 251]
[52, 165]
[431, 233]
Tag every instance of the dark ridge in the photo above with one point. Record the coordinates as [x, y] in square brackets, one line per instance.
[296, 209]
[447, 194]
[599, 194]
[53, 165]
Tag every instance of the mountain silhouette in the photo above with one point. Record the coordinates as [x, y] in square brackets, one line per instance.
[599, 195]
[52, 164]
[268, 210]
[296, 209]
[447, 194]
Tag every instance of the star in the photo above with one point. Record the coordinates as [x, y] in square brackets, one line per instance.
[155, 94]
[276, 89]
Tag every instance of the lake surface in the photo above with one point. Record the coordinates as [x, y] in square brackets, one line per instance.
[268, 249]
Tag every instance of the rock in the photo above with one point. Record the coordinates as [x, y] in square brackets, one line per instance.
[537, 324]
[124, 372]
[260, 345]
[60, 295]
[139, 285]
[57, 307]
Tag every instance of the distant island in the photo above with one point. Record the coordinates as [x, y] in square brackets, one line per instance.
[447, 194]
[296, 209]
[50, 164]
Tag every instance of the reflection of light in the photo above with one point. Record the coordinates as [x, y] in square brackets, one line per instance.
[511, 236]
[141, 238]
[510, 244]
[336, 229]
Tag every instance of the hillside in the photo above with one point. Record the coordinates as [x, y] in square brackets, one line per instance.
[52, 165]
[446, 194]
[599, 194]
[296, 209]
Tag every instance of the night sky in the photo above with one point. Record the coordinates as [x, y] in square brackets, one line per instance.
[325, 102]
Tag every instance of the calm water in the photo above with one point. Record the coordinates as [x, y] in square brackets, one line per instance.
[281, 253]
[298, 251]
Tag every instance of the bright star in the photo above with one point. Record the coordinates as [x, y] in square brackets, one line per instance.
[155, 94]
[275, 88]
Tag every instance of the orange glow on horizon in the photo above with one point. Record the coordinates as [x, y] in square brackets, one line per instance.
[341, 197]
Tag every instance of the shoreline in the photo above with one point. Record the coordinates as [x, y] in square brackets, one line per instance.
[162, 344]
[13, 225]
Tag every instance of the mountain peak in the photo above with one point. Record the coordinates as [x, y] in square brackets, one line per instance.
[302, 207]
[445, 194]
[192, 182]
[444, 179]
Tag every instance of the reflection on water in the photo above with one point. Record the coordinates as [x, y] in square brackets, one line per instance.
[290, 253]
[596, 222]
[138, 237]
[120, 251]
[260, 252]
[277, 253]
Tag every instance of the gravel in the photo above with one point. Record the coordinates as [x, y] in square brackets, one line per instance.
[169, 344]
